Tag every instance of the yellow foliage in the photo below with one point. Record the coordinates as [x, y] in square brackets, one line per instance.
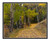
[42, 4]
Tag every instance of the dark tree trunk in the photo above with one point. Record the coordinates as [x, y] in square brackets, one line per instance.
[20, 23]
[24, 21]
[17, 25]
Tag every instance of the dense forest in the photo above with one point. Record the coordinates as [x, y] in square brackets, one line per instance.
[22, 15]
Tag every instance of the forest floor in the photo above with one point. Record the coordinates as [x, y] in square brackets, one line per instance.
[30, 32]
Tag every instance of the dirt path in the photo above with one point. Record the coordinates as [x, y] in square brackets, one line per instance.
[29, 32]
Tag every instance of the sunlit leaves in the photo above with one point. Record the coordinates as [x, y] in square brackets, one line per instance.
[31, 13]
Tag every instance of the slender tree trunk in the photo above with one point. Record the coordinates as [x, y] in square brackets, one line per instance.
[20, 23]
[28, 21]
[37, 18]
[28, 18]
[11, 19]
[38, 13]
[24, 21]
[17, 25]
[20, 20]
